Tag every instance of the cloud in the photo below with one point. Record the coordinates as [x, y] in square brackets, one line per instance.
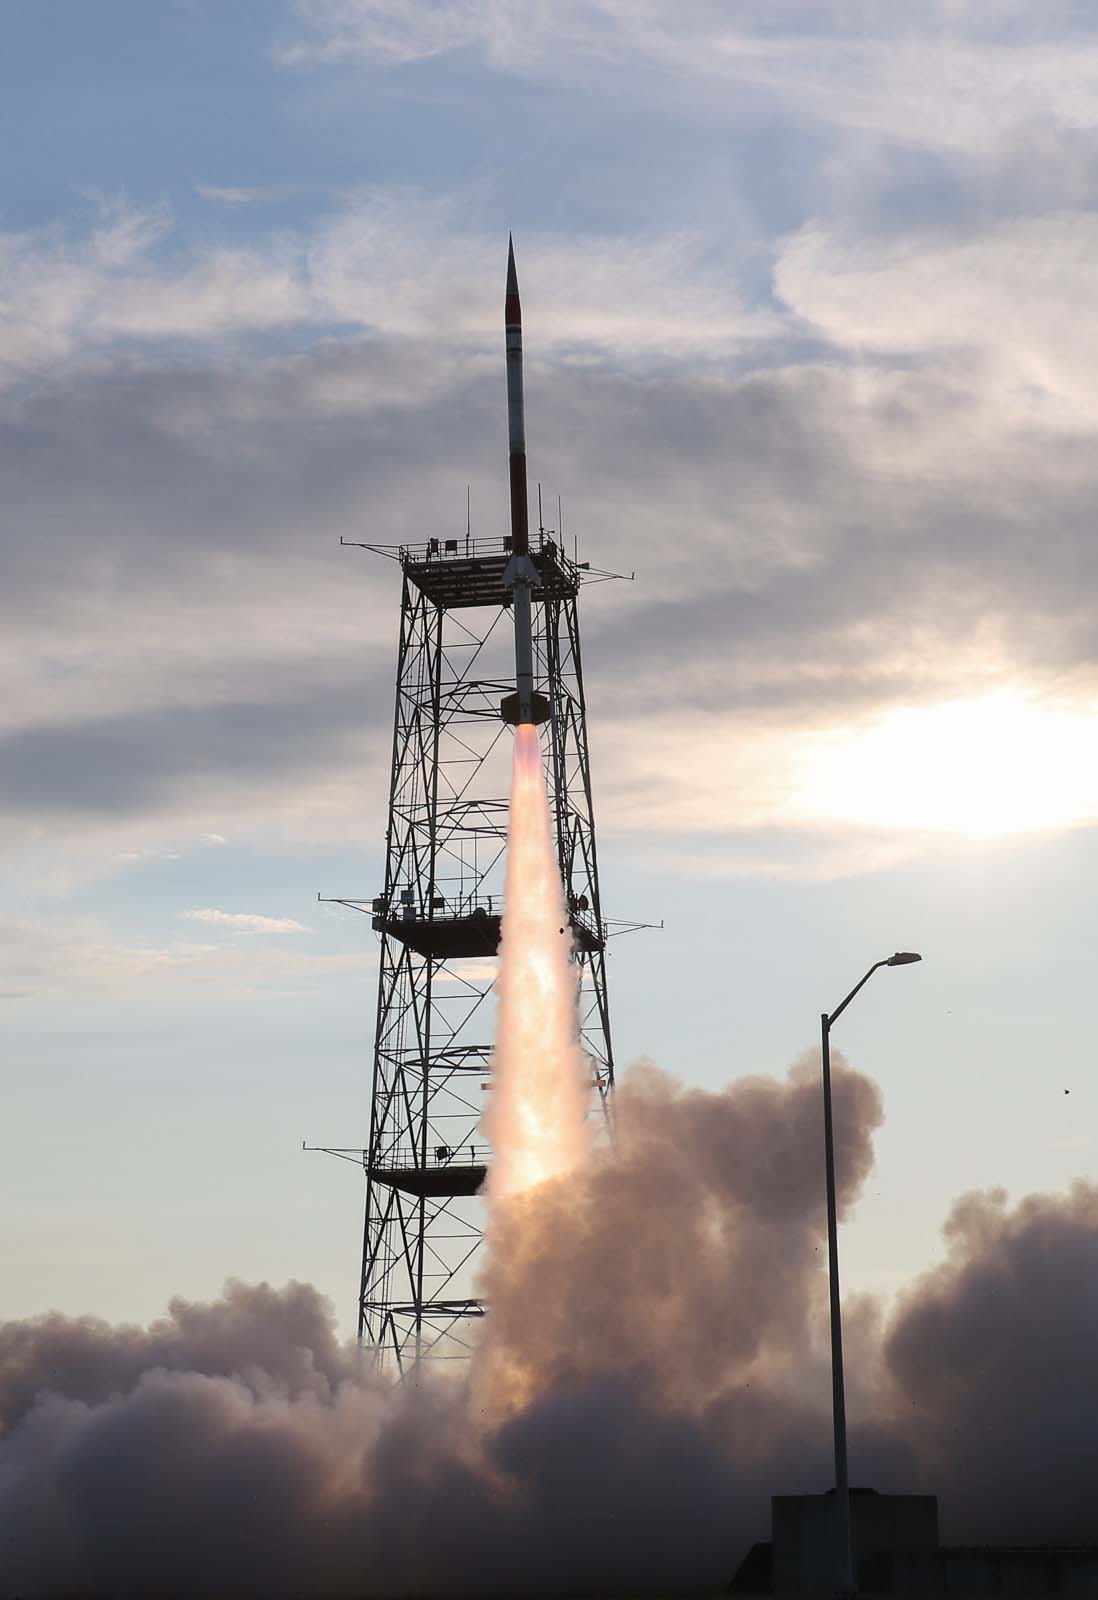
[72, 292]
[960, 80]
[816, 545]
[403, 262]
[391, 260]
[332, 30]
[654, 1367]
[226, 194]
[163, 757]
[240, 195]
[81, 956]
[1017, 294]
[123, 232]
[828, 492]
[246, 921]
[728, 1207]
[312, 1447]
[991, 1350]
[285, 1334]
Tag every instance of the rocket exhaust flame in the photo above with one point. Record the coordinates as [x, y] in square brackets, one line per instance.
[536, 1121]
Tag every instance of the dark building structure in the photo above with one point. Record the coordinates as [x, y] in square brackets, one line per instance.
[896, 1552]
[803, 1533]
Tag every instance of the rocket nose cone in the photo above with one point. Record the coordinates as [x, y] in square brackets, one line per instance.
[512, 275]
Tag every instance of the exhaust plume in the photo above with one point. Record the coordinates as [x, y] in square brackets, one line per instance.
[666, 1307]
[540, 1076]
[993, 1355]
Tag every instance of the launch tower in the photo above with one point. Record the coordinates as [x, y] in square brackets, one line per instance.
[438, 912]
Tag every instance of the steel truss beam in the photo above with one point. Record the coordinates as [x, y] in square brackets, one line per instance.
[438, 920]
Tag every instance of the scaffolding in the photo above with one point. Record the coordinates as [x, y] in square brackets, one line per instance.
[438, 917]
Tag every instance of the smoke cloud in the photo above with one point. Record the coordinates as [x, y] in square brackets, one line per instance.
[655, 1366]
[993, 1354]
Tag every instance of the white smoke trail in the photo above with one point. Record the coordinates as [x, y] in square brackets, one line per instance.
[541, 1077]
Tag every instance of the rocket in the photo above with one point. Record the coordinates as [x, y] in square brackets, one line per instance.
[520, 574]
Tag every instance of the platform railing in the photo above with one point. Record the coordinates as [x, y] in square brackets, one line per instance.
[478, 549]
[407, 1158]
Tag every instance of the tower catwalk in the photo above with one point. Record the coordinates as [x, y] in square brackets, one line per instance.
[463, 676]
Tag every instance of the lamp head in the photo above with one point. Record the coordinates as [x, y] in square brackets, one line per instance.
[902, 958]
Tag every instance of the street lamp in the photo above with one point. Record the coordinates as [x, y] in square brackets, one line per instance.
[902, 958]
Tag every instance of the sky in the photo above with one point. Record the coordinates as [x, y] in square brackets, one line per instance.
[809, 318]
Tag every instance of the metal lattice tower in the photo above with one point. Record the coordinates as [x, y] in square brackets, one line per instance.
[438, 917]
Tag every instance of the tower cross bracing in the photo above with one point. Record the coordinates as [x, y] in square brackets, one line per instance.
[438, 917]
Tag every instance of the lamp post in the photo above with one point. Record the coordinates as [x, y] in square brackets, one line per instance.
[902, 958]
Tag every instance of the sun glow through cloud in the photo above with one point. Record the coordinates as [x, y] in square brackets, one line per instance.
[1001, 764]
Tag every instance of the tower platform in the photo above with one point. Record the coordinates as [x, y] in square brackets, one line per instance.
[478, 934]
[458, 573]
[443, 1173]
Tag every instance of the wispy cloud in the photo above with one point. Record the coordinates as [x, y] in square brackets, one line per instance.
[941, 77]
[123, 231]
[43, 956]
[246, 921]
[1019, 293]
[72, 291]
[396, 30]
[237, 195]
[393, 262]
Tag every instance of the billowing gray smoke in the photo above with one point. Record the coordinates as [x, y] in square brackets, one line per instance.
[995, 1356]
[655, 1367]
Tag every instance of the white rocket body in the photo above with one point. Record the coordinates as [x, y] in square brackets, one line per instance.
[520, 575]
